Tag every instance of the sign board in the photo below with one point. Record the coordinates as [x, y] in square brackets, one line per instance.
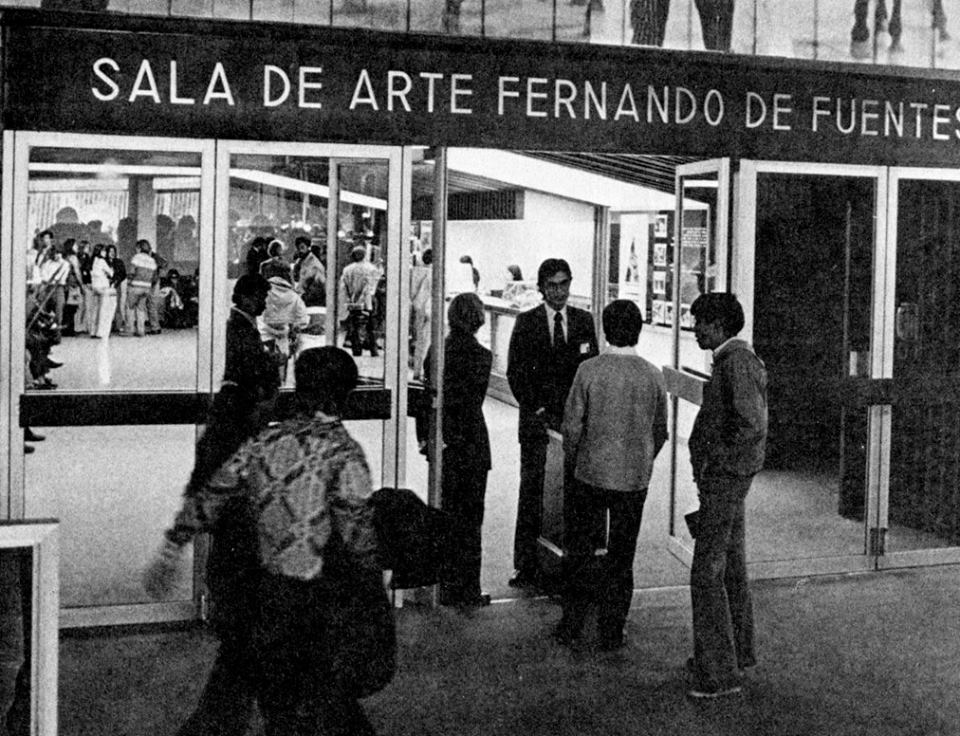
[180, 77]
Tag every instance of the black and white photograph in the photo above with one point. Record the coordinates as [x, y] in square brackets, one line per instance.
[461, 367]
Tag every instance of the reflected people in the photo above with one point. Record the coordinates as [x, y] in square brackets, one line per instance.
[547, 345]
[466, 449]
[358, 284]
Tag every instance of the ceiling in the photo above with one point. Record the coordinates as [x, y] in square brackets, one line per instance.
[655, 172]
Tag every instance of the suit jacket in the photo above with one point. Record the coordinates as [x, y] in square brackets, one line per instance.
[466, 373]
[539, 375]
[729, 435]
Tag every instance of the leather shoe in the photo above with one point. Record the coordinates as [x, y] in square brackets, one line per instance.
[52, 363]
[27, 449]
[30, 436]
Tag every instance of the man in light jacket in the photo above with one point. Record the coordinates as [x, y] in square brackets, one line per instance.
[614, 424]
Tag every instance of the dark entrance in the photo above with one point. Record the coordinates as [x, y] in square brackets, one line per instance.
[812, 322]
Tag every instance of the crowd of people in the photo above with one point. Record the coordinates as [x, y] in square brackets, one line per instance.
[295, 563]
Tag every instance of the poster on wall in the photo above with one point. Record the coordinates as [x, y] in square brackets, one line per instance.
[634, 245]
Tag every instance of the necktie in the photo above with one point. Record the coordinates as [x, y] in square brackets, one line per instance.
[558, 340]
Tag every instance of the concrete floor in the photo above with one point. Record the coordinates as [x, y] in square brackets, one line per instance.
[870, 655]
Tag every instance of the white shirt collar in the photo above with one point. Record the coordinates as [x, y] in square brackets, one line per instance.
[620, 350]
[724, 344]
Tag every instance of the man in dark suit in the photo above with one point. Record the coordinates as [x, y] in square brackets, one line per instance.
[547, 345]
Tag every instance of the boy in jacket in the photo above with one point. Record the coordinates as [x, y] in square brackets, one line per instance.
[727, 447]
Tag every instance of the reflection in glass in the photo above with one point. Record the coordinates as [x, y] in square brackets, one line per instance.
[90, 214]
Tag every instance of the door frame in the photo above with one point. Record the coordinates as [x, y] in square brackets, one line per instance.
[681, 383]
[214, 198]
[904, 558]
[745, 286]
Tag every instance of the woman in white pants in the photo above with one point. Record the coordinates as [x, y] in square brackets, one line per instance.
[104, 293]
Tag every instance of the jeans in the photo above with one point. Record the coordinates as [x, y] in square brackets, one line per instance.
[719, 589]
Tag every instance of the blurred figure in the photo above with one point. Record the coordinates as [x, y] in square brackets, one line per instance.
[312, 276]
[105, 293]
[514, 273]
[275, 264]
[241, 408]
[357, 286]
[421, 308]
[143, 273]
[119, 282]
[317, 582]
[283, 318]
[173, 312]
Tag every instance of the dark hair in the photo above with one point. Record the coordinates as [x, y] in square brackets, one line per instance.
[301, 239]
[275, 248]
[550, 267]
[515, 273]
[465, 313]
[143, 245]
[358, 254]
[44, 232]
[327, 374]
[249, 284]
[622, 322]
[466, 259]
[722, 307]
[427, 256]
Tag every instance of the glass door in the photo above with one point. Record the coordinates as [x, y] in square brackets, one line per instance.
[690, 258]
[812, 287]
[103, 397]
[324, 222]
[919, 510]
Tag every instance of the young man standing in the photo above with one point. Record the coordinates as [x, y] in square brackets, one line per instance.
[614, 424]
[727, 446]
[547, 345]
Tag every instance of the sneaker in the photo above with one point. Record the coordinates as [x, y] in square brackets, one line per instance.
[704, 690]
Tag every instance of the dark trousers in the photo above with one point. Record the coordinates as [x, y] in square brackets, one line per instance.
[861, 30]
[605, 580]
[649, 21]
[360, 332]
[716, 22]
[719, 589]
[227, 703]
[17, 718]
[226, 706]
[533, 457]
[464, 486]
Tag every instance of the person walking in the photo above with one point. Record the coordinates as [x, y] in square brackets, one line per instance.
[727, 446]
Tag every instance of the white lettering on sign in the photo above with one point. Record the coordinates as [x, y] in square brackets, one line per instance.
[613, 102]
[113, 89]
[271, 72]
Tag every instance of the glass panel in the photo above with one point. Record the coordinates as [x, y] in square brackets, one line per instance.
[454, 17]
[92, 212]
[113, 490]
[924, 508]
[813, 276]
[885, 32]
[381, 15]
[531, 20]
[279, 210]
